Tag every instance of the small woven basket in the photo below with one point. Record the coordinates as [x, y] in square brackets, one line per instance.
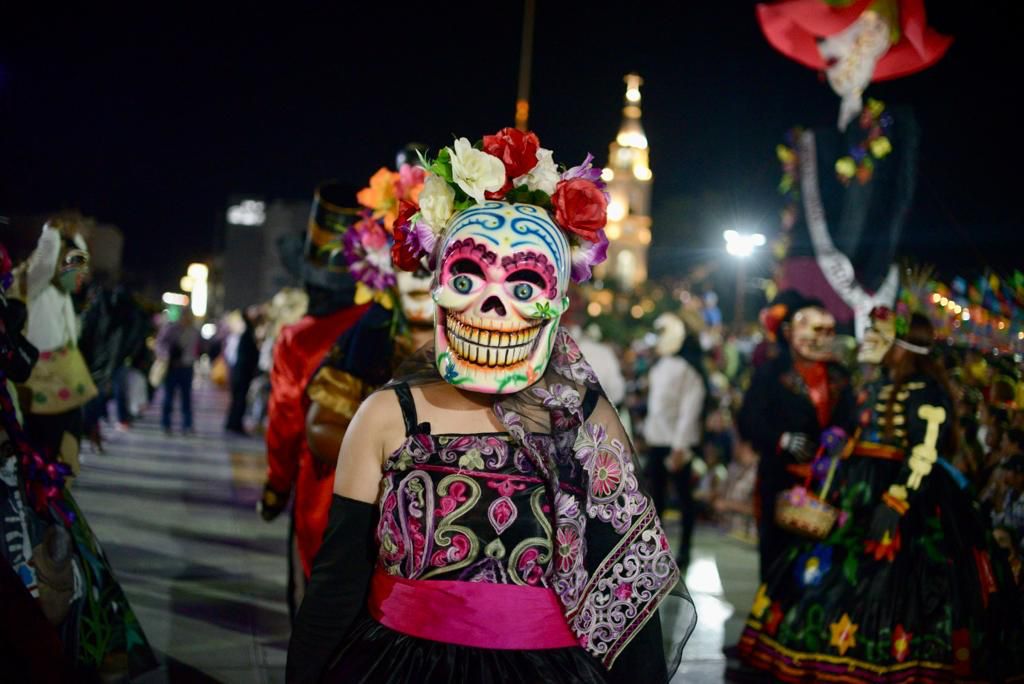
[808, 516]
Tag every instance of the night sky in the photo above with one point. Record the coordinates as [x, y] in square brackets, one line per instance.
[152, 120]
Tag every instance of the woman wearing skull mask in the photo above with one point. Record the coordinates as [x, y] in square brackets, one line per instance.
[907, 586]
[479, 534]
[791, 400]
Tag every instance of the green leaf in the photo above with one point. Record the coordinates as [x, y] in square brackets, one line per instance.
[850, 566]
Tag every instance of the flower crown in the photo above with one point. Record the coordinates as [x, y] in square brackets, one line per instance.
[511, 166]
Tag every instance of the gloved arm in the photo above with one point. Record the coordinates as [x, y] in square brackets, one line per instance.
[798, 445]
[337, 590]
[340, 581]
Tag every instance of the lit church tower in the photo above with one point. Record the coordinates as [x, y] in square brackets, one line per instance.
[628, 176]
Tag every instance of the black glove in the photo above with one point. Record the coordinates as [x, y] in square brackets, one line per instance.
[798, 445]
[272, 503]
[337, 591]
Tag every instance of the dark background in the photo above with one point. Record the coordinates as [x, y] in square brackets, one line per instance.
[150, 120]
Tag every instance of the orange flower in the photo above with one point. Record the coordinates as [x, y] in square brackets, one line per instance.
[380, 196]
[901, 644]
[885, 548]
[844, 634]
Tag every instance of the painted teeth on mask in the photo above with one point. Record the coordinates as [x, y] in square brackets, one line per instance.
[490, 347]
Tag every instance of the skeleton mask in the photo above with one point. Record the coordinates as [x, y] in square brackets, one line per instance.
[851, 56]
[500, 290]
[878, 338]
[73, 270]
[671, 334]
[812, 334]
[414, 292]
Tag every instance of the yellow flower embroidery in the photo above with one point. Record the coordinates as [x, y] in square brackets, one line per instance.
[844, 634]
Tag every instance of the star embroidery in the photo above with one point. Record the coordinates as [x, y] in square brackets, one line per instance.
[844, 634]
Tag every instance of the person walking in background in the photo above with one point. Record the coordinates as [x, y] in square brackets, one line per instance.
[243, 368]
[675, 420]
[177, 345]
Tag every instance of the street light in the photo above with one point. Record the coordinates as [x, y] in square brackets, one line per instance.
[741, 246]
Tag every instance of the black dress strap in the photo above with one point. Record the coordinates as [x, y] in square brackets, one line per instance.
[590, 400]
[408, 405]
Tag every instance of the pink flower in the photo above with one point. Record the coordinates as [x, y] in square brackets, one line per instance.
[568, 548]
[606, 474]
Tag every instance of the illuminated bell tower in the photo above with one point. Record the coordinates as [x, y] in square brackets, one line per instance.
[628, 176]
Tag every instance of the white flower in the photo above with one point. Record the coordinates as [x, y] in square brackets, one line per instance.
[475, 171]
[437, 202]
[544, 176]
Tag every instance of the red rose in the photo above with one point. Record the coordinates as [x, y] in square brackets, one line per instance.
[516, 150]
[580, 207]
[403, 254]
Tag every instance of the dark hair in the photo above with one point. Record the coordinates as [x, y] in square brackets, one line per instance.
[919, 333]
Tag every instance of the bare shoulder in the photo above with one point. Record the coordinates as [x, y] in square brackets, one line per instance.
[376, 430]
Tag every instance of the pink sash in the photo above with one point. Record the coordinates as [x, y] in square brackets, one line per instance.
[492, 616]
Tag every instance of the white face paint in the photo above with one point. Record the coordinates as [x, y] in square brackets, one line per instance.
[414, 293]
[500, 291]
[850, 57]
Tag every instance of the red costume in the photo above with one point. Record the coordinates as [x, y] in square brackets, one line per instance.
[297, 354]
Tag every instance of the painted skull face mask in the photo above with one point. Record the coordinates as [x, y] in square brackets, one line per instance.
[813, 334]
[500, 290]
[414, 293]
[878, 338]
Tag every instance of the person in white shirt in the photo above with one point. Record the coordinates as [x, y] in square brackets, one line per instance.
[60, 384]
[674, 425]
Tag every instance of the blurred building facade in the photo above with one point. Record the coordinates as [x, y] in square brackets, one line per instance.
[628, 175]
[250, 271]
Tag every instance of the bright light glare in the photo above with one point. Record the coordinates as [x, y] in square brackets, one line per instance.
[247, 213]
[741, 244]
[633, 94]
[208, 330]
[175, 298]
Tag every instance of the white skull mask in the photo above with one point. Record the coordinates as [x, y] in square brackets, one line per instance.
[813, 333]
[414, 293]
[500, 290]
[851, 56]
[878, 339]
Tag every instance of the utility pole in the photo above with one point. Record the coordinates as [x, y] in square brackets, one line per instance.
[525, 65]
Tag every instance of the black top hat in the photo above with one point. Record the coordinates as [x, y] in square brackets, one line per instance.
[317, 258]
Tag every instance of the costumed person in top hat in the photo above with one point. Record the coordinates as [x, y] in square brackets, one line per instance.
[60, 384]
[905, 586]
[69, 615]
[300, 348]
[791, 400]
[850, 187]
[674, 426]
[488, 522]
[400, 320]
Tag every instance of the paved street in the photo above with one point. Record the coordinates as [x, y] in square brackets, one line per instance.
[206, 575]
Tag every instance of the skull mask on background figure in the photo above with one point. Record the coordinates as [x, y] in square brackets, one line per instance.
[878, 338]
[500, 290]
[812, 334]
[414, 294]
[851, 56]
